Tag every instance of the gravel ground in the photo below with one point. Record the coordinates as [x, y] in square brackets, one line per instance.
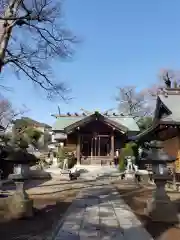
[51, 200]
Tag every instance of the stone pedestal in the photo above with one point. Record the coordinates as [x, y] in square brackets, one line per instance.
[160, 208]
[65, 174]
[129, 175]
[65, 171]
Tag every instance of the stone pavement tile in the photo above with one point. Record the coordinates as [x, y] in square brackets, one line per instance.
[73, 218]
[87, 233]
[76, 212]
[108, 214]
[103, 196]
[69, 229]
[109, 223]
[120, 204]
[127, 218]
[109, 232]
[94, 212]
[93, 222]
[72, 222]
[137, 233]
[63, 235]
[79, 203]
[92, 207]
[105, 205]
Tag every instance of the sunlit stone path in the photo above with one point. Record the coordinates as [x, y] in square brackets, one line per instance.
[98, 212]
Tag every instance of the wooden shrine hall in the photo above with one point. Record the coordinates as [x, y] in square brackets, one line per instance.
[94, 136]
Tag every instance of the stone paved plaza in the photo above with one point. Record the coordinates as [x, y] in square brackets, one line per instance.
[98, 212]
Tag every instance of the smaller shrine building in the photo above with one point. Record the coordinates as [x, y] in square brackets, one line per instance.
[166, 124]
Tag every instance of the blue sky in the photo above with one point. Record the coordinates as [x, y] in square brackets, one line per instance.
[125, 42]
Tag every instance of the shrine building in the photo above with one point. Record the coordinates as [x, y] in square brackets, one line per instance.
[166, 124]
[94, 136]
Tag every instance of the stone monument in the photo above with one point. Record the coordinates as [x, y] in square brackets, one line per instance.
[129, 172]
[54, 159]
[135, 168]
[65, 164]
[65, 171]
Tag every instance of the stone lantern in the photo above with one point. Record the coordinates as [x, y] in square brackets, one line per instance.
[20, 205]
[160, 208]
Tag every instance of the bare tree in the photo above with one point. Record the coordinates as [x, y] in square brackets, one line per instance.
[31, 35]
[167, 78]
[133, 103]
[139, 104]
[8, 113]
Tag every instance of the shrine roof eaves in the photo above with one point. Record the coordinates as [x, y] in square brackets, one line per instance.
[65, 121]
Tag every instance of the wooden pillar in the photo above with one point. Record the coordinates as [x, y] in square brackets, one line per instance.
[112, 146]
[91, 147]
[99, 145]
[177, 162]
[78, 148]
[95, 146]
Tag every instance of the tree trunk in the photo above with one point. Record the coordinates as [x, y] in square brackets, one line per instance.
[6, 27]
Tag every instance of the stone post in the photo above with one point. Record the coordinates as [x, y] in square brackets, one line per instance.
[160, 208]
[19, 204]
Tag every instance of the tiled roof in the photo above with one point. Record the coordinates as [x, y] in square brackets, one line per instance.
[172, 102]
[63, 122]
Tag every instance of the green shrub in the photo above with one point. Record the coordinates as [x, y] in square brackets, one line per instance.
[66, 153]
[71, 161]
[61, 154]
[122, 160]
[135, 148]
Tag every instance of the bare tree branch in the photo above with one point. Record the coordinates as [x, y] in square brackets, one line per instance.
[139, 104]
[133, 103]
[8, 113]
[32, 34]
[167, 78]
